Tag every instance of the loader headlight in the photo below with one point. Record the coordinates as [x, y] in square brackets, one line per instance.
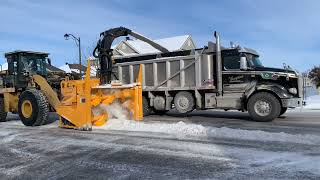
[293, 90]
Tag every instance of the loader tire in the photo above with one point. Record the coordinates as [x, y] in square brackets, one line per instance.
[184, 102]
[3, 114]
[283, 110]
[33, 108]
[263, 107]
[146, 107]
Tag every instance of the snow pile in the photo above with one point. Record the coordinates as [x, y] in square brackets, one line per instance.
[313, 102]
[180, 128]
[184, 129]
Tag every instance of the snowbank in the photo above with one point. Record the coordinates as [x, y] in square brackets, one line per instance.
[182, 129]
[313, 102]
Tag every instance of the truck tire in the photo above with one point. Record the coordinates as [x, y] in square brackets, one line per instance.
[283, 110]
[33, 108]
[146, 107]
[263, 107]
[184, 102]
[3, 114]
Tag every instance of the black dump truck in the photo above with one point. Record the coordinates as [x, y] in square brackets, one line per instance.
[212, 77]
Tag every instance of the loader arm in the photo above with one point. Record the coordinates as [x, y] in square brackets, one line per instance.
[103, 49]
[51, 95]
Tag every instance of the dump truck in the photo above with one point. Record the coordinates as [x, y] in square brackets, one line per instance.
[213, 77]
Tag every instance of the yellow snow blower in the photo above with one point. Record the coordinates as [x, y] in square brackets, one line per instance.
[85, 102]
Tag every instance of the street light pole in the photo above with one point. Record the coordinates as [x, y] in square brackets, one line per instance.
[79, 51]
[78, 43]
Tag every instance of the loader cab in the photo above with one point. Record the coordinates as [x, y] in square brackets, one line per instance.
[23, 64]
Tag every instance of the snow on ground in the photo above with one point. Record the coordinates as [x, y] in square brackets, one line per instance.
[313, 102]
[182, 129]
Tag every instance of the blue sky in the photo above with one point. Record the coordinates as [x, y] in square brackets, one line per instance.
[285, 31]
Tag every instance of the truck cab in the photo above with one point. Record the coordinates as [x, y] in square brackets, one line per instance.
[245, 76]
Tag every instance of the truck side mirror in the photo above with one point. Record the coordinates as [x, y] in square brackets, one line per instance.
[243, 63]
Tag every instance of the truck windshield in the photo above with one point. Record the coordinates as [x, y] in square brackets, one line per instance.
[254, 60]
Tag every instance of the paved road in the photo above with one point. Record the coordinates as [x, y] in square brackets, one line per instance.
[49, 152]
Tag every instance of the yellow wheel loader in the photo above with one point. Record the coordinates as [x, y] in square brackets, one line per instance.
[19, 93]
[83, 103]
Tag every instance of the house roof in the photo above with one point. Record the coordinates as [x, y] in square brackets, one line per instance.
[171, 43]
[65, 68]
[78, 67]
[52, 68]
[69, 68]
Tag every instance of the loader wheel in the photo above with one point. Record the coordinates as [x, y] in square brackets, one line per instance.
[184, 102]
[283, 110]
[146, 107]
[33, 108]
[263, 107]
[3, 114]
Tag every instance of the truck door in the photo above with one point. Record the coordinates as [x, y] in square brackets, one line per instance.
[233, 79]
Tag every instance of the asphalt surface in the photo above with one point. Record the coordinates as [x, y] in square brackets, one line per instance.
[49, 152]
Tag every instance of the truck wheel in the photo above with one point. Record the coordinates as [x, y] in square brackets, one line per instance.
[283, 110]
[145, 106]
[33, 108]
[3, 114]
[184, 102]
[263, 107]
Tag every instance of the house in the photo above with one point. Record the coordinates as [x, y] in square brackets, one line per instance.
[134, 47]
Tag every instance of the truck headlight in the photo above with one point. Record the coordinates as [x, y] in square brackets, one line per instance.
[293, 90]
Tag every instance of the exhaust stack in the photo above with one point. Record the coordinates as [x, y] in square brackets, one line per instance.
[218, 63]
